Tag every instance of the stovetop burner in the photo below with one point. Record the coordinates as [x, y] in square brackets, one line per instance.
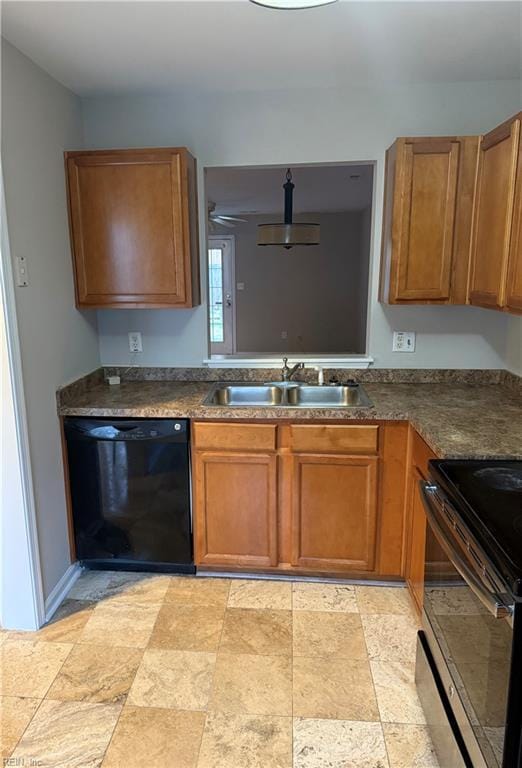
[488, 496]
[500, 478]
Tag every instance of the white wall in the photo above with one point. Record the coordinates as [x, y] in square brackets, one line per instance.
[288, 128]
[40, 119]
[514, 345]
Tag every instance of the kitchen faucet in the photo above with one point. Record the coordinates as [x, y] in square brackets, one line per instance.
[286, 372]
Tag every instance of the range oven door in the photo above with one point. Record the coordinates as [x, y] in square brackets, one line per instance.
[468, 620]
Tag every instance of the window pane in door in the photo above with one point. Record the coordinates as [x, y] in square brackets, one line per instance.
[215, 287]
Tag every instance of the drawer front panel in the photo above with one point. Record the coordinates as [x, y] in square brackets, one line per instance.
[234, 437]
[353, 438]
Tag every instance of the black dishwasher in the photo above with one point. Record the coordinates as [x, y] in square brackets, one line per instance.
[130, 493]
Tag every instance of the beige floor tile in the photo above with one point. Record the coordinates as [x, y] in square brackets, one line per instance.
[394, 600]
[97, 673]
[246, 741]
[252, 684]
[396, 693]
[312, 596]
[247, 630]
[189, 590]
[28, 667]
[390, 638]
[15, 715]
[65, 626]
[339, 689]
[328, 634]
[175, 679]
[409, 746]
[68, 734]
[270, 595]
[160, 738]
[338, 744]
[188, 627]
[124, 624]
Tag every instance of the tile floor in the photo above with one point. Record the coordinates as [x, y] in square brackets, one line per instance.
[182, 672]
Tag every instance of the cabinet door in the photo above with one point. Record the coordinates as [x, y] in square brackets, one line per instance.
[235, 511]
[417, 542]
[429, 174]
[132, 226]
[514, 278]
[494, 215]
[334, 512]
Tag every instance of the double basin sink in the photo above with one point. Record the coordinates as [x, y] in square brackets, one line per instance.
[288, 395]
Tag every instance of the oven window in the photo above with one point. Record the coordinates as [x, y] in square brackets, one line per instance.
[476, 647]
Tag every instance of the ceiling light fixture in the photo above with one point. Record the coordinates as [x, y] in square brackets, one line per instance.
[289, 233]
[292, 5]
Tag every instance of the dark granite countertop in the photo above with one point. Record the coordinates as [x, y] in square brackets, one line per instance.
[457, 419]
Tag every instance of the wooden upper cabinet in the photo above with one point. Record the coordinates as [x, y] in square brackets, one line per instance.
[496, 244]
[428, 210]
[133, 221]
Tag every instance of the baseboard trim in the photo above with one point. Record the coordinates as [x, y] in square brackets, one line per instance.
[57, 595]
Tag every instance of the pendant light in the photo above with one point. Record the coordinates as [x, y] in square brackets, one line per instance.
[289, 233]
[292, 5]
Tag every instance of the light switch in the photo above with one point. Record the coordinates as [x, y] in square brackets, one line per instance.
[240, 286]
[22, 275]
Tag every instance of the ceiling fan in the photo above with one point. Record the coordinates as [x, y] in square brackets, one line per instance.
[222, 220]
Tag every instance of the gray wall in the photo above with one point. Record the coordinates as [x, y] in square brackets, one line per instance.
[317, 126]
[317, 294]
[40, 119]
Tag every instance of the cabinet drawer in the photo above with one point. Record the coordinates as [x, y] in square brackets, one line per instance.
[235, 437]
[334, 438]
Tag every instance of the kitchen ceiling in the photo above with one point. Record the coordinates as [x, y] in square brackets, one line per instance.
[318, 189]
[104, 47]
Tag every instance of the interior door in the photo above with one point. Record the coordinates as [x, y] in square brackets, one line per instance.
[221, 295]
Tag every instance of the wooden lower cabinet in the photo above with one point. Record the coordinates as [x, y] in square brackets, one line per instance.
[304, 498]
[235, 509]
[416, 557]
[334, 514]
[416, 543]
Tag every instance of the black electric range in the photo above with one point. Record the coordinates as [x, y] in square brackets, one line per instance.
[469, 660]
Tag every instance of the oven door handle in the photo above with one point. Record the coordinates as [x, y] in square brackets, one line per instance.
[492, 601]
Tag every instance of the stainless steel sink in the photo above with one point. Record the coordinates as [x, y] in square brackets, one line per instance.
[338, 396]
[242, 395]
[284, 396]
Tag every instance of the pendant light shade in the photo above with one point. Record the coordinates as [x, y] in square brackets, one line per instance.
[292, 5]
[288, 233]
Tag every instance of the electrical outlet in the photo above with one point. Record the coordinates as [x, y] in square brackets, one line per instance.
[403, 341]
[135, 344]
[284, 334]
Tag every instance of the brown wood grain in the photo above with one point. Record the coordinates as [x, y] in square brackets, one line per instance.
[493, 218]
[427, 220]
[234, 437]
[235, 509]
[133, 234]
[420, 455]
[321, 438]
[334, 512]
